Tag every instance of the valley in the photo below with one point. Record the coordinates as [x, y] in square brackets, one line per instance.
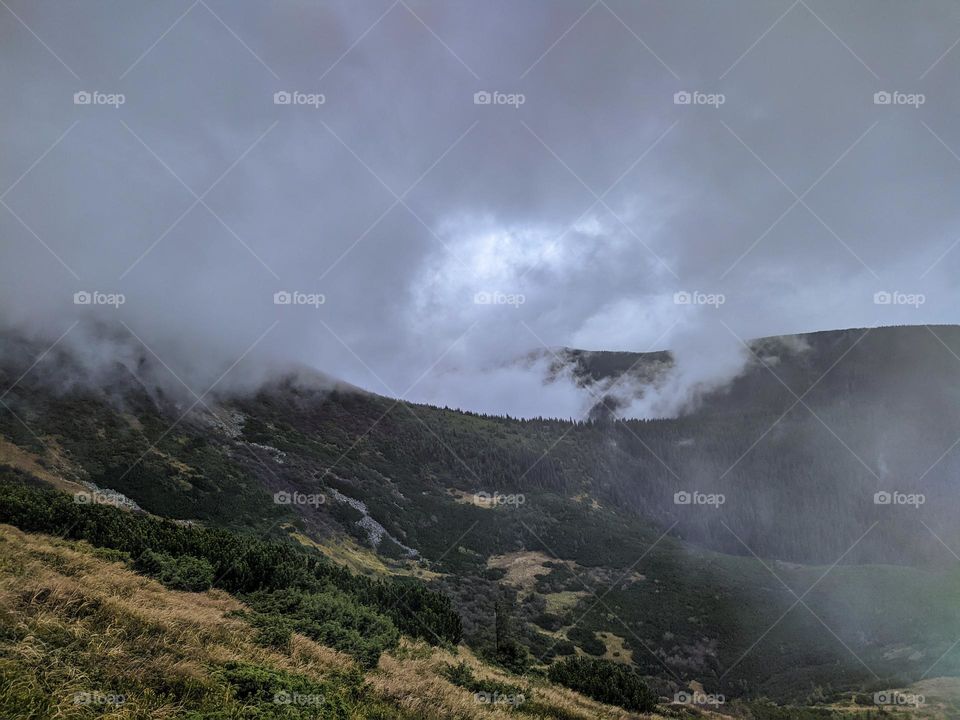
[557, 540]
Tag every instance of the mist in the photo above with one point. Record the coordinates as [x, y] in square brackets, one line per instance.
[429, 243]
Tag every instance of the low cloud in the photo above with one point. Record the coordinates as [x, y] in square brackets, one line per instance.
[579, 213]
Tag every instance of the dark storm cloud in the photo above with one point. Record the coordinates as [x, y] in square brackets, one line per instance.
[573, 216]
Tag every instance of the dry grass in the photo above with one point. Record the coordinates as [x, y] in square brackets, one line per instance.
[523, 567]
[360, 559]
[616, 650]
[466, 498]
[17, 457]
[81, 624]
[72, 622]
[411, 677]
[560, 602]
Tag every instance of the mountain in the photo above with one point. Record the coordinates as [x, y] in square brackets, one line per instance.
[799, 443]
[83, 635]
[737, 547]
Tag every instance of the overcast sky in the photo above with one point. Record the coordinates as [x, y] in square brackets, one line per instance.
[576, 203]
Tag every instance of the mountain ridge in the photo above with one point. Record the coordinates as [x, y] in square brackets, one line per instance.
[598, 502]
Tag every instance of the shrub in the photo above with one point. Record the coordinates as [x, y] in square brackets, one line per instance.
[565, 647]
[462, 675]
[272, 630]
[587, 641]
[270, 693]
[178, 573]
[604, 681]
[365, 614]
[328, 618]
[548, 621]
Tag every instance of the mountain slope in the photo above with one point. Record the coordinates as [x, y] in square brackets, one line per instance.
[567, 533]
[800, 442]
[82, 635]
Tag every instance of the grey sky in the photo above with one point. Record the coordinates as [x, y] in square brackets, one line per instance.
[399, 198]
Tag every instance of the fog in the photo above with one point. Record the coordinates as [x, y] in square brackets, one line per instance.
[435, 242]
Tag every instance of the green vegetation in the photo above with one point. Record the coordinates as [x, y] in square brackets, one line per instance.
[179, 573]
[462, 675]
[605, 681]
[352, 613]
[288, 696]
[597, 497]
[82, 636]
[587, 640]
[330, 618]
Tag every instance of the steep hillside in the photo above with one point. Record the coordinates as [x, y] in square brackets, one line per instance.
[554, 538]
[82, 636]
[798, 444]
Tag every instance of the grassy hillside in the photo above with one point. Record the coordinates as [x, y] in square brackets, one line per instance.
[82, 636]
[553, 539]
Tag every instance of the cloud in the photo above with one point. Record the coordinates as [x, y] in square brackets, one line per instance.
[399, 199]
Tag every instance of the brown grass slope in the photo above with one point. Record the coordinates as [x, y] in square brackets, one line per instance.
[79, 631]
